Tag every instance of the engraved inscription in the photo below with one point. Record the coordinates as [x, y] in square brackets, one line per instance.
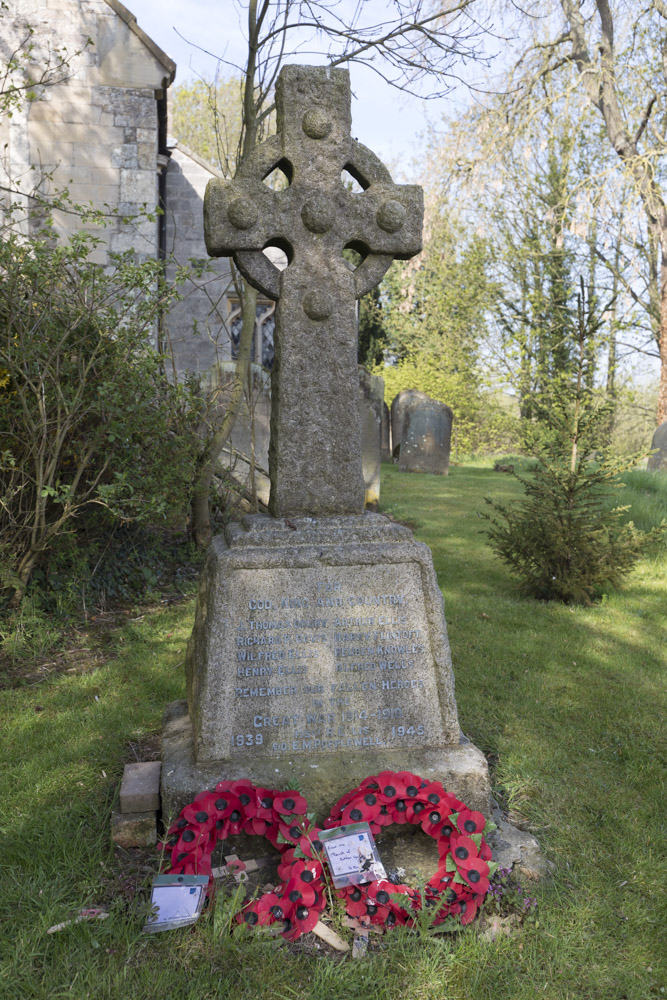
[325, 663]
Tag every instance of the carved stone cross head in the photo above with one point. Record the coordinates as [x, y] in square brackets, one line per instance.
[315, 450]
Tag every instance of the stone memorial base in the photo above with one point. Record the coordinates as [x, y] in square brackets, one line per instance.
[319, 656]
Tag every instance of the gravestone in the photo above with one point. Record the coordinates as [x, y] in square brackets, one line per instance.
[658, 461]
[319, 653]
[400, 404]
[427, 435]
[371, 401]
[385, 446]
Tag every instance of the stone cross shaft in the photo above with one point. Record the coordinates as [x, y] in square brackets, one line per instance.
[315, 449]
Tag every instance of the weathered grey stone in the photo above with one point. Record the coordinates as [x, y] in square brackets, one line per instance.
[251, 433]
[321, 777]
[294, 617]
[385, 446]
[399, 405]
[513, 847]
[140, 787]
[427, 434]
[133, 829]
[319, 652]
[75, 132]
[371, 402]
[315, 454]
[658, 461]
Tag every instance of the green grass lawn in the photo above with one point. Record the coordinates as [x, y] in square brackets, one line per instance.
[569, 704]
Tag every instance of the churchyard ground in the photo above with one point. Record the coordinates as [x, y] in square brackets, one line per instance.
[568, 704]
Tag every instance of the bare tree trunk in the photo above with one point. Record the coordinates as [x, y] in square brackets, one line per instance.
[599, 80]
[662, 343]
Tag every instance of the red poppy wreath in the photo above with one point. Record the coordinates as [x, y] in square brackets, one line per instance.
[457, 888]
[462, 878]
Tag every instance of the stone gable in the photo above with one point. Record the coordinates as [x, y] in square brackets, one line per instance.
[100, 129]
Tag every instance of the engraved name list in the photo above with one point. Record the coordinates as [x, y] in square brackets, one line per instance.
[325, 663]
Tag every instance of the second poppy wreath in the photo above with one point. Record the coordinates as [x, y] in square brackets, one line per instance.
[454, 892]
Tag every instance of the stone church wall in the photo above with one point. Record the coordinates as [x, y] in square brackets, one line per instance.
[196, 328]
[96, 129]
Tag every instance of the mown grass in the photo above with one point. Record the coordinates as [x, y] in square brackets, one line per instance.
[569, 703]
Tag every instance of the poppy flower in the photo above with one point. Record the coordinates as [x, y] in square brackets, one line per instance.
[293, 828]
[256, 826]
[399, 811]
[203, 818]
[485, 851]
[247, 796]
[177, 826]
[467, 909]
[395, 917]
[469, 822]
[271, 833]
[297, 891]
[236, 865]
[236, 822]
[432, 821]
[290, 931]
[190, 840]
[224, 804]
[462, 848]
[310, 843]
[304, 919]
[433, 795]
[195, 865]
[359, 811]
[414, 810]
[391, 786]
[356, 902]
[306, 871]
[379, 896]
[288, 803]
[370, 784]
[253, 915]
[476, 873]
[383, 817]
[377, 914]
[265, 803]
[221, 829]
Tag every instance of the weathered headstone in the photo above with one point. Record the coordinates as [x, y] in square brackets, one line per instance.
[371, 401]
[385, 446]
[400, 404]
[319, 652]
[427, 435]
[658, 460]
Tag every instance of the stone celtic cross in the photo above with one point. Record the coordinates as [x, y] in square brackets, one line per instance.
[315, 450]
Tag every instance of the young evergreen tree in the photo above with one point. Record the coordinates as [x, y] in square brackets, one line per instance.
[563, 540]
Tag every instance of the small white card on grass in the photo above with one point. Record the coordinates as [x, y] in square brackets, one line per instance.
[352, 855]
[176, 901]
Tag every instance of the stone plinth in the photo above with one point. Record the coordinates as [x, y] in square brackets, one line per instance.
[319, 654]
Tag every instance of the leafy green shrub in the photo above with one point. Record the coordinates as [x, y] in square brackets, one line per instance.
[87, 415]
